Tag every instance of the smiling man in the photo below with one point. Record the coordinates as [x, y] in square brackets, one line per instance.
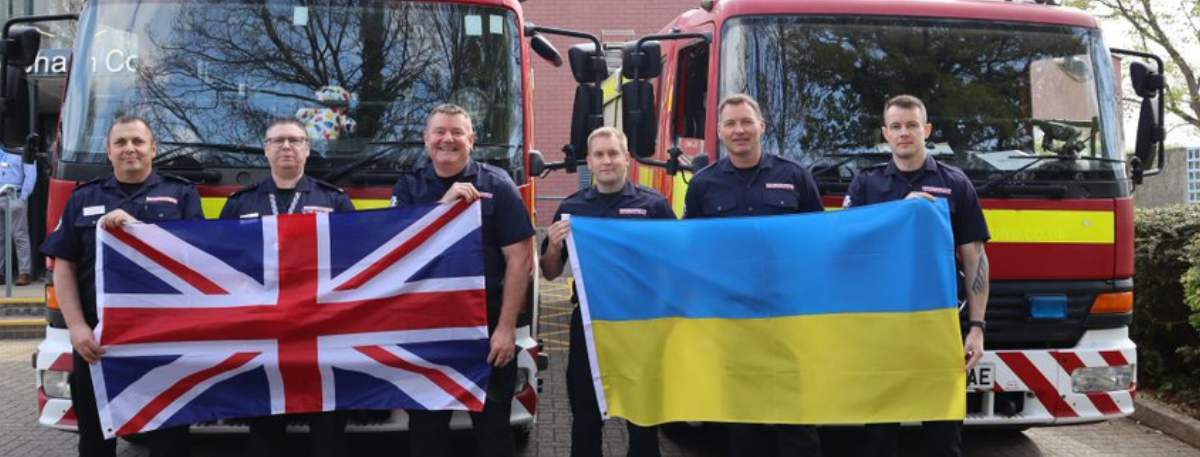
[611, 196]
[747, 182]
[134, 192]
[507, 232]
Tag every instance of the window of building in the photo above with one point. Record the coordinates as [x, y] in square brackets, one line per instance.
[1193, 176]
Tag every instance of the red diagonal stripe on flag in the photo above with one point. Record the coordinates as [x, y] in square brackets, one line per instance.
[447, 384]
[185, 273]
[395, 255]
[159, 403]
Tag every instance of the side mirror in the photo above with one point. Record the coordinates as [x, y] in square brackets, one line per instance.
[16, 108]
[641, 63]
[544, 49]
[638, 117]
[699, 162]
[587, 64]
[21, 47]
[1148, 145]
[537, 163]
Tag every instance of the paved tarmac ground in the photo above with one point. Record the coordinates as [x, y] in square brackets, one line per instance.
[21, 436]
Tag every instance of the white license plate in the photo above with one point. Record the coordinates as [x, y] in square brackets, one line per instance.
[982, 377]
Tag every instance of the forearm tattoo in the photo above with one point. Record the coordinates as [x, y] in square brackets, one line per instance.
[980, 285]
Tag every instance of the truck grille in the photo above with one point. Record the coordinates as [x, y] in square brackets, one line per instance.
[1011, 326]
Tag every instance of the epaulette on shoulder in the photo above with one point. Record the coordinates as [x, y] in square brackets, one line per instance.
[878, 166]
[578, 193]
[789, 160]
[706, 168]
[176, 178]
[648, 190]
[90, 182]
[328, 186]
[243, 190]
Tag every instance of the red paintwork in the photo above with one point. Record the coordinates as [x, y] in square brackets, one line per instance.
[1073, 204]
[1062, 261]
[1123, 261]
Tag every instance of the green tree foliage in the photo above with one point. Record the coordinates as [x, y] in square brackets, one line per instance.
[1170, 29]
[1167, 269]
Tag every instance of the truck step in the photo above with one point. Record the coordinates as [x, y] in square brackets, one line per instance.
[31, 307]
[22, 327]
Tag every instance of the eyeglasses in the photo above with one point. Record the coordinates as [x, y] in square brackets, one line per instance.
[280, 141]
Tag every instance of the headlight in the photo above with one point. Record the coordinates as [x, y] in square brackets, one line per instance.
[1102, 379]
[522, 379]
[55, 383]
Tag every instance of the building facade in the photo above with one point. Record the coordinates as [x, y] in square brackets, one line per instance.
[1178, 183]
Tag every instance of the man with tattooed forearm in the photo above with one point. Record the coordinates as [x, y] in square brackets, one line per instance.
[912, 173]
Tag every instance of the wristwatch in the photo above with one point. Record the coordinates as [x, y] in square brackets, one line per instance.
[981, 324]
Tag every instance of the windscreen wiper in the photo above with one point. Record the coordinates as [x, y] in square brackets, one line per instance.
[188, 148]
[1034, 160]
[386, 147]
[848, 158]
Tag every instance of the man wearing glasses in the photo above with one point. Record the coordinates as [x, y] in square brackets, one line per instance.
[289, 191]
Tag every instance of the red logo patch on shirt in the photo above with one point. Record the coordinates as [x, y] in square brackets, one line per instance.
[162, 199]
[781, 185]
[632, 211]
[936, 190]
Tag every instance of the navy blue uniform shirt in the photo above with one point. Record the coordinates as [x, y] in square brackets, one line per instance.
[504, 218]
[311, 196]
[780, 186]
[161, 198]
[882, 183]
[634, 202]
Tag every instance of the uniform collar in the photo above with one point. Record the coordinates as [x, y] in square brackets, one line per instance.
[930, 165]
[150, 181]
[764, 163]
[304, 185]
[626, 191]
[470, 171]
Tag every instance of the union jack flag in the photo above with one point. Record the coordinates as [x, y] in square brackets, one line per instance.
[204, 320]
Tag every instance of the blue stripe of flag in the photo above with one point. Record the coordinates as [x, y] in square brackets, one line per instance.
[890, 257]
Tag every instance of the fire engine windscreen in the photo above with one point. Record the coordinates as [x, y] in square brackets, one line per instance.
[999, 95]
[361, 74]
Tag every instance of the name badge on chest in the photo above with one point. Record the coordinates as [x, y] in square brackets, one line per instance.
[936, 190]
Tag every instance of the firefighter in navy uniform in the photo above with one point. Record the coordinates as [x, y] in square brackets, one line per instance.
[749, 183]
[507, 236]
[913, 174]
[289, 191]
[134, 192]
[612, 196]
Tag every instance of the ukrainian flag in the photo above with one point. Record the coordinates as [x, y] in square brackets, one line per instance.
[824, 318]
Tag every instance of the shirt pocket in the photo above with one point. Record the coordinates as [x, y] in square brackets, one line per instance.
[718, 203]
[161, 211]
[87, 222]
[784, 199]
